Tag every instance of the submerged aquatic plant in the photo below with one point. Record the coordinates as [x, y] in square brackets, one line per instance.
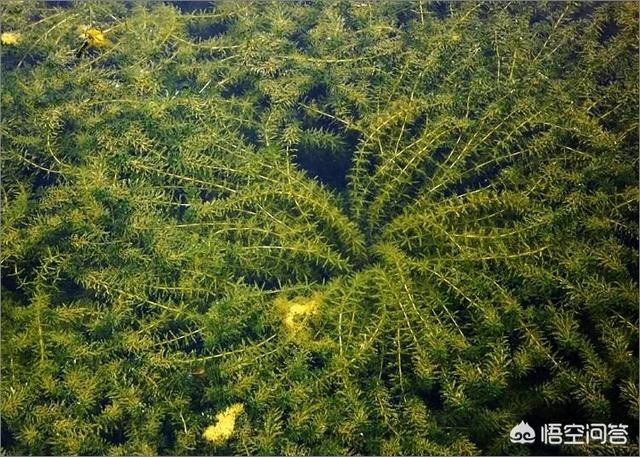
[382, 227]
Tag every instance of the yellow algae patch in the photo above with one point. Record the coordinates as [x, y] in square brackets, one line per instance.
[298, 308]
[9, 38]
[295, 311]
[95, 38]
[224, 427]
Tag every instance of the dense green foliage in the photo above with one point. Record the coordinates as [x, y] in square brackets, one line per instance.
[447, 191]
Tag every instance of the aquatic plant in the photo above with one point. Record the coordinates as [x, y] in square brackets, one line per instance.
[381, 227]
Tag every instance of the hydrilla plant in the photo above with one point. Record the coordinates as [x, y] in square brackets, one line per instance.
[372, 227]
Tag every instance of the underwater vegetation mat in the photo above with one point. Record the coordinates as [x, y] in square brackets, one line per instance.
[392, 227]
